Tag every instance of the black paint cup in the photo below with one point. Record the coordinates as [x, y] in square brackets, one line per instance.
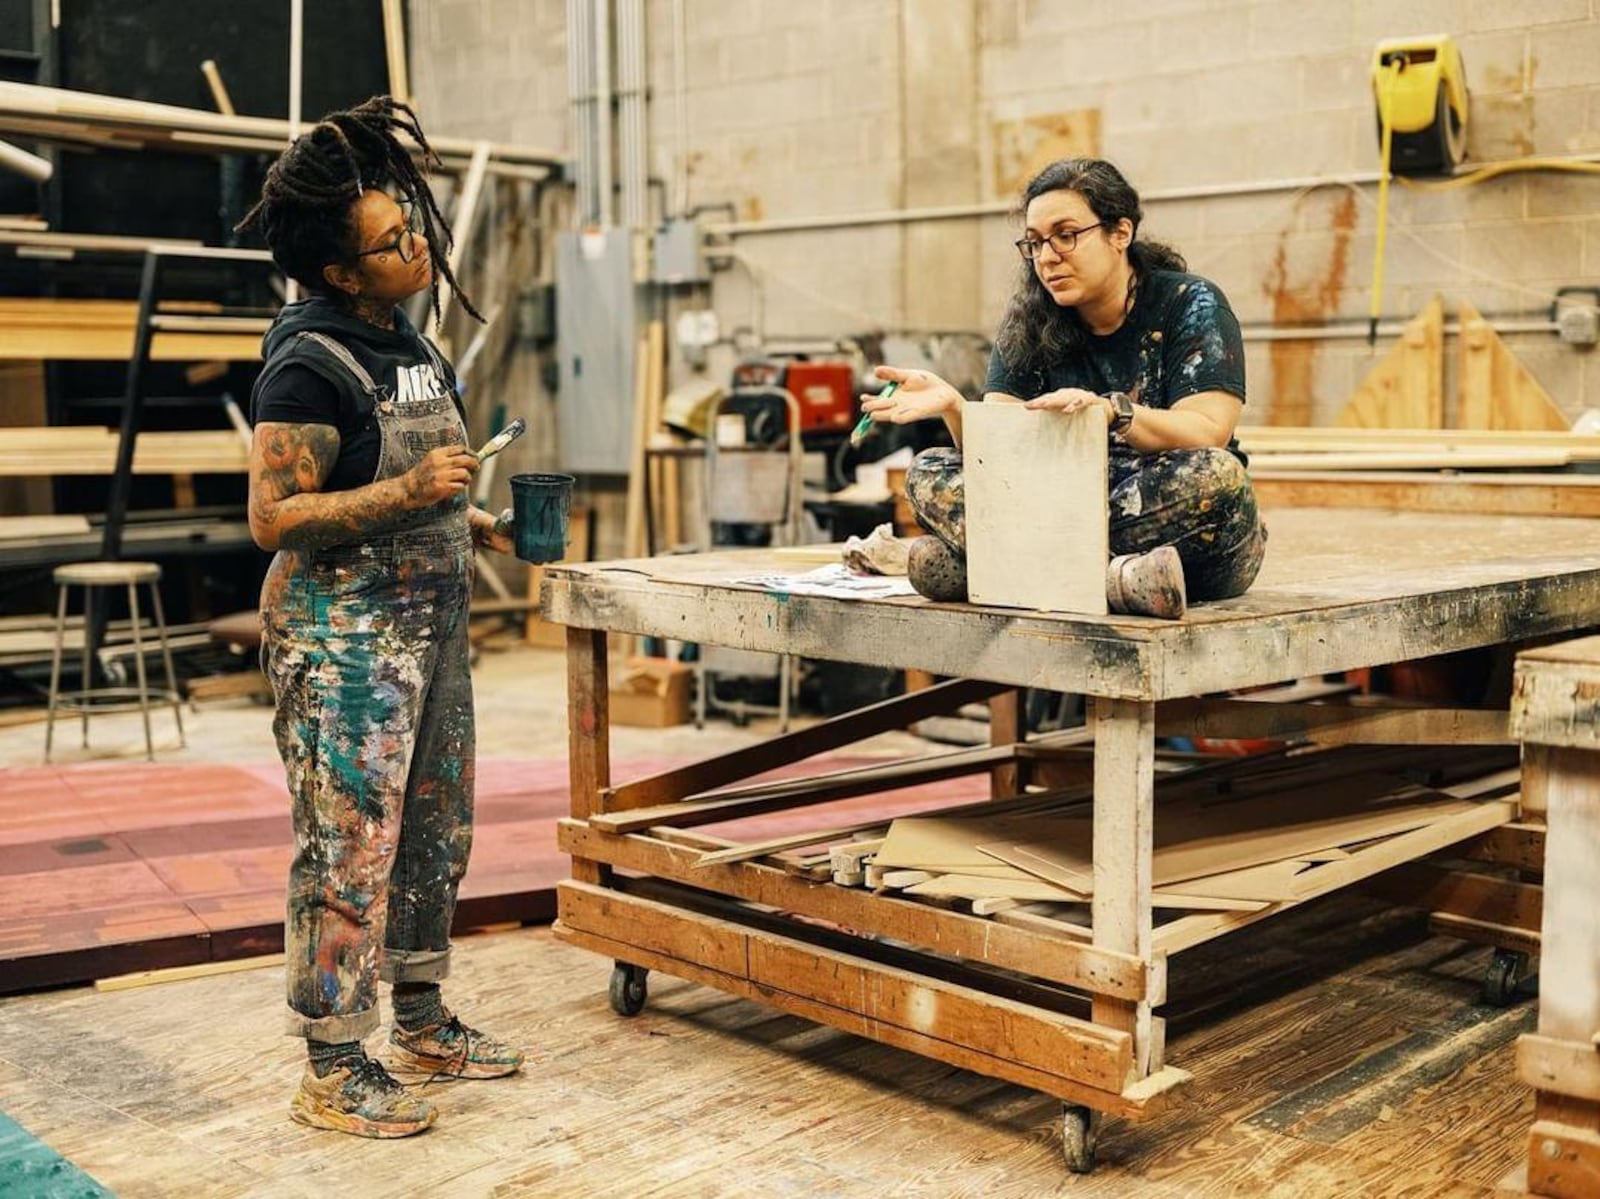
[541, 505]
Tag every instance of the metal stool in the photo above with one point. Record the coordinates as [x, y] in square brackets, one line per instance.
[111, 699]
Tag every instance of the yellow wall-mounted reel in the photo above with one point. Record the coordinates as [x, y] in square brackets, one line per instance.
[1421, 91]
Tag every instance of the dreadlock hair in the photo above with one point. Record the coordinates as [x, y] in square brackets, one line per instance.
[305, 210]
[1037, 331]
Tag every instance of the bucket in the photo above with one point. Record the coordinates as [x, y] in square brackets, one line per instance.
[541, 504]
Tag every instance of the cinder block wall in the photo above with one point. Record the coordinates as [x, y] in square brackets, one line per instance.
[800, 109]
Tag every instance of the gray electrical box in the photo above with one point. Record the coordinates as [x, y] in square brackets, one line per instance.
[680, 253]
[597, 330]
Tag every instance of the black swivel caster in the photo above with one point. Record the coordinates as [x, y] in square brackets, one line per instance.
[1503, 979]
[1080, 1128]
[629, 989]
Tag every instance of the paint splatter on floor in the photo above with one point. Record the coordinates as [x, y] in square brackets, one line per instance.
[30, 1169]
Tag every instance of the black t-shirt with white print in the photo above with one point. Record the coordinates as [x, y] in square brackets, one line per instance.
[304, 383]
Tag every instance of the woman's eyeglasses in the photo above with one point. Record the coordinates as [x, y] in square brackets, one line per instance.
[405, 243]
[1062, 241]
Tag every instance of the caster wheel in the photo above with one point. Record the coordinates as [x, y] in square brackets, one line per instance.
[628, 989]
[1503, 979]
[1080, 1128]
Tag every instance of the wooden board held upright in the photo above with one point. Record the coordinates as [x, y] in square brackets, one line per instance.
[1035, 485]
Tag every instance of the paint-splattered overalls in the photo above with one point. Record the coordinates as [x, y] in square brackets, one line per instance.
[366, 647]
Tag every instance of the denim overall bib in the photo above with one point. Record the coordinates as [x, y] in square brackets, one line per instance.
[366, 648]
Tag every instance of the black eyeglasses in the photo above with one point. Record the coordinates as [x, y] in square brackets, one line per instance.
[1062, 241]
[405, 242]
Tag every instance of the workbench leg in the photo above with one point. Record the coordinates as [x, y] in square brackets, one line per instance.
[589, 744]
[1564, 1143]
[1124, 825]
[1007, 726]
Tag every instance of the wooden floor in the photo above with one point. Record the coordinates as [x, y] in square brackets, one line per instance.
[107, 869]
[1379, 1079]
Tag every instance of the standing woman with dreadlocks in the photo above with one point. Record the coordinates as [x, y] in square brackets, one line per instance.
[1104, 318]
[358, 480]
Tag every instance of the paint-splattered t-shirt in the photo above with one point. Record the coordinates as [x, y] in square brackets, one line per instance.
[1180, 339]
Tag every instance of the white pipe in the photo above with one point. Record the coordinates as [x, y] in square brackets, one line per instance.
[631, 97]
[578, 126]
[602, 100]
[1353, 332]
[296, 53]
[680, 105]
[15, 158]
[894, 216]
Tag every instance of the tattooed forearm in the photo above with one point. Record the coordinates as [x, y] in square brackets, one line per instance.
[288, 510]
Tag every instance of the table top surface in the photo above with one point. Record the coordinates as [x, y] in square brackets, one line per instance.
[1339, 589]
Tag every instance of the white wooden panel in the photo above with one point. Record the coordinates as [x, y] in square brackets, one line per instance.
[1035, 483]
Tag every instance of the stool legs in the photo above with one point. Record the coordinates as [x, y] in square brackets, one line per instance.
[138, 664]
[166, 656]
[86, 678]
[55, 672]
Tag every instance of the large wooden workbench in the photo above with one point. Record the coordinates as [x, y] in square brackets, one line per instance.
[1341, 590]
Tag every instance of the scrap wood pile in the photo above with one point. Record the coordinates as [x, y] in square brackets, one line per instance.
[1245, 835]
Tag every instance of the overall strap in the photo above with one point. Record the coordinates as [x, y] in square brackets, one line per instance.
[338, 350]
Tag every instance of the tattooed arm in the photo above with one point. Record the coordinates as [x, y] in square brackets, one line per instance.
[289, 463]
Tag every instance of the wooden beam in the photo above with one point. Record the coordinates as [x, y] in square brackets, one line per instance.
[897, 713]
[866, 997]
[1482, 495]
[1332, 724]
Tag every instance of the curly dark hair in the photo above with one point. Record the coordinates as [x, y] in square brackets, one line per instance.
[306, 207]
[1037, 331]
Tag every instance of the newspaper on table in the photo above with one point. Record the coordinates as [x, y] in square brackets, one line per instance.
[835, 581]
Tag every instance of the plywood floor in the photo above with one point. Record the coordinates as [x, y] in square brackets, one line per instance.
[1381, 1078]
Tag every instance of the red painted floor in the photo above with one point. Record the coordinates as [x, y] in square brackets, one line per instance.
[109, 868]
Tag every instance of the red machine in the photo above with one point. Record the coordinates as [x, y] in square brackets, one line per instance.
[825, 390]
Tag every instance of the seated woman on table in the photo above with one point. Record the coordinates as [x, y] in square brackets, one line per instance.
[1102, 317]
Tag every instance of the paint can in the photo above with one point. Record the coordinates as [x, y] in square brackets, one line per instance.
[542, 504]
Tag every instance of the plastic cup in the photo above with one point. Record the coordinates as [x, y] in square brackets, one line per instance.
[541, 505]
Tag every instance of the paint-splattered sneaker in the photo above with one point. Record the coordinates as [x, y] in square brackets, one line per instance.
[360, 1097]
[450, 1049]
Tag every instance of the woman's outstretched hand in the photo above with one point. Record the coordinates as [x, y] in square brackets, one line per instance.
[922, 395]
[1071, 399]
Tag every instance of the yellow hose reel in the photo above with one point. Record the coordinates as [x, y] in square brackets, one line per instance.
[1421, 91]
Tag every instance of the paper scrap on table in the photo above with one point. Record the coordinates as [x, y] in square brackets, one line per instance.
[835, 581]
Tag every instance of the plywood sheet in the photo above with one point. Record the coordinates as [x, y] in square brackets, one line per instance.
[1035, 485]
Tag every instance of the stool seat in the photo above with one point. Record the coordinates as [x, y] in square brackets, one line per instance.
[107, 574]
[89, 699]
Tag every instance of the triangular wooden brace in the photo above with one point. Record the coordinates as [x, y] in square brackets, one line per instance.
[1497, 391]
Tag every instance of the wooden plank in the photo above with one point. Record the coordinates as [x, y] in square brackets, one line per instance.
[1481, 932]
[1488, 458]
[1007, 726]
[589, 736]
[1515, 844]
[1332, 724]
[1564, 1159]
[794, 793]
[1563, 1067]
[1484, 495]
[1124, 834]
[1569, 982]
[1053, 467]
[1497, 391]
[1406, 388]
[172, 974]
[879, 995]
[1306, 438]
[1476, 896]
[955, 933]
[882, 717]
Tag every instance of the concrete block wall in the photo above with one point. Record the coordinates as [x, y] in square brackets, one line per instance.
[852, 106]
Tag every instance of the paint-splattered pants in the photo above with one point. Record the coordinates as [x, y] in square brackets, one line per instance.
[366, 648]
[1199, 501]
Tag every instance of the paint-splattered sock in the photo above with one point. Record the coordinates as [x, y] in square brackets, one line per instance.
[417, 1005]
[325, 1055]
